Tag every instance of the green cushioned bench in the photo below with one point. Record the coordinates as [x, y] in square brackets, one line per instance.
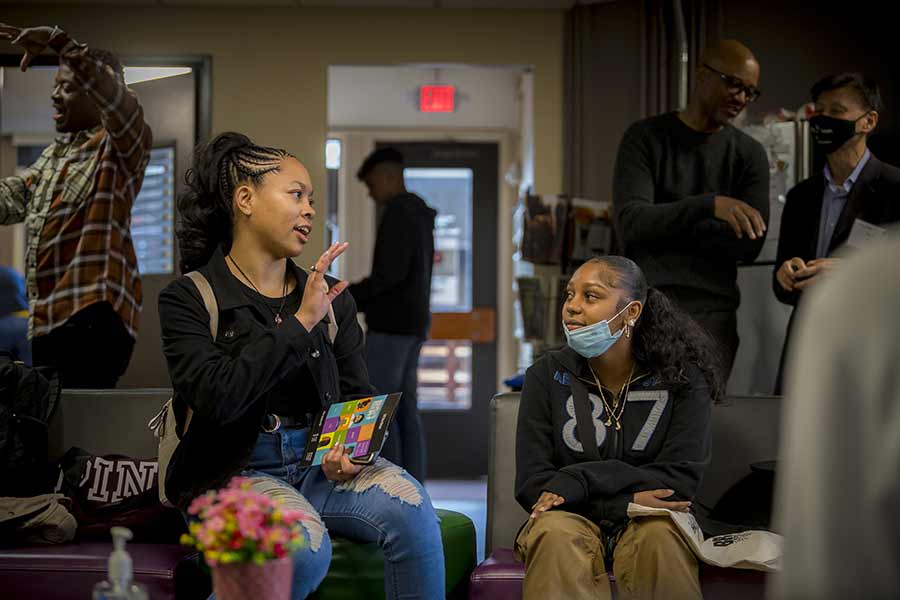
[357, 570]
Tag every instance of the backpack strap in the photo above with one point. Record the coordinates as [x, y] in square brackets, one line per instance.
[209, 300]
[212, 307]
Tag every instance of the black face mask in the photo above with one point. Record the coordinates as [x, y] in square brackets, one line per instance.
[831, 133]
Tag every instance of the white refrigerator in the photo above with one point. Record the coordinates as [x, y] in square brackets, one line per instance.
[762, 319]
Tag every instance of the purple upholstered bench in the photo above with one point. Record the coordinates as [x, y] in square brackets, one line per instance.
[500, 577]
[71, 570]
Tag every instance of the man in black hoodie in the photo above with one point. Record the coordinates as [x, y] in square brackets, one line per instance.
[395, 299]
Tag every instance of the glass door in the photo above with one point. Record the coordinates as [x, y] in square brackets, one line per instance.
[457, 366]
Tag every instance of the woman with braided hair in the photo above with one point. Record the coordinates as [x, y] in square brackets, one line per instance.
[273, 363]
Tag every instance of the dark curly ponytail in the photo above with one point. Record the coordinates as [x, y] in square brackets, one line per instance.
[205, 209]
[665, 338]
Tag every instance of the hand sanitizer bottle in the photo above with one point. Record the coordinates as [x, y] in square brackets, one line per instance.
[119, 585]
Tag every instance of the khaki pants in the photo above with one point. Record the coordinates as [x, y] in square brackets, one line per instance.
[563, 556]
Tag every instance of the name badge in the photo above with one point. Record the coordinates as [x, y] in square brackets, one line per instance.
[864, 233]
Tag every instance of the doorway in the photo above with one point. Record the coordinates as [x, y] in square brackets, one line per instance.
[458, 364]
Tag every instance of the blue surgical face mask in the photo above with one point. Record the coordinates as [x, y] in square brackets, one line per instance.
[595, 339]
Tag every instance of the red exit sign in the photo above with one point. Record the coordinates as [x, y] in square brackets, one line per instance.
[437, 98]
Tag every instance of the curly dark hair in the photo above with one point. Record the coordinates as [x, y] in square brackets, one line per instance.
[205, 209]
[665, 339]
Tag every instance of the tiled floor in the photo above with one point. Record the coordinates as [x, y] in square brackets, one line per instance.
[467, 497]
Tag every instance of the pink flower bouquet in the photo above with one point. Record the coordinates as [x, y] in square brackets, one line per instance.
[238, 525]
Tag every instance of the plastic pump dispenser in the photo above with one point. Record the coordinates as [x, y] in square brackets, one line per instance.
[119, 585]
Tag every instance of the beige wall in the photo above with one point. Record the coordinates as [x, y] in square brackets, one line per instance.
[169, 109]
[269, 64]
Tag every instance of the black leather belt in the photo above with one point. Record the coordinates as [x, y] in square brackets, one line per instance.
[272, 423]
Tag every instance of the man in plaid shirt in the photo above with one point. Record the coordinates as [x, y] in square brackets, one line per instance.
[83, 285]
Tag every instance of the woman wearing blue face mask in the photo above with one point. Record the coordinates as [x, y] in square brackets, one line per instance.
[621, 414]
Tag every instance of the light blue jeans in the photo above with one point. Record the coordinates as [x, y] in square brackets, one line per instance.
[382, 504]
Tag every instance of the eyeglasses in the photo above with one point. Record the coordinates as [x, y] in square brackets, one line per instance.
[736, 86]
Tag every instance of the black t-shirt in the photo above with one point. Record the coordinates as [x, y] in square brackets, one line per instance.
[296, 395]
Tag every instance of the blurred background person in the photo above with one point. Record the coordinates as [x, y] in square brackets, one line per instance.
[396, 300]
[82, 278]
[838, 484]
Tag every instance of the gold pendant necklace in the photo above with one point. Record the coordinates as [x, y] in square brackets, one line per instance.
[278, 319]
[622, 397]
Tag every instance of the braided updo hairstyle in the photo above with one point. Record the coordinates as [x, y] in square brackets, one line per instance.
[206, 207]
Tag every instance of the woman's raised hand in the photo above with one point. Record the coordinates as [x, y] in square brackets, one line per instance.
[317, 296]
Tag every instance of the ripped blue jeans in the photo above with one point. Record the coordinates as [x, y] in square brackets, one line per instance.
[382, 504]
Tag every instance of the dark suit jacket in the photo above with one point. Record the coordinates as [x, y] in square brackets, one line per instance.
[875, 198]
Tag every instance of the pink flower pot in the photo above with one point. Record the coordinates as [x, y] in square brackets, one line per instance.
[249, 581]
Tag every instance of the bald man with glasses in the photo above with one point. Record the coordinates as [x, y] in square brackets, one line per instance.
[691, 194]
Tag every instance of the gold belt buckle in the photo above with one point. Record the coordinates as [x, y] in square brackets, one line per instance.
[276, 427]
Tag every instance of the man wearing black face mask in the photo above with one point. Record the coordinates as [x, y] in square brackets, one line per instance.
[854, 197]
[82, 280]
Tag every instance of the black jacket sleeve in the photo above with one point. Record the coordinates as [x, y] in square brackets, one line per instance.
[753, 188]
[216, 386]
[638, 219]
[392, 260]
[349, 351]
[534, 441]
[608, 485]
[790, 243]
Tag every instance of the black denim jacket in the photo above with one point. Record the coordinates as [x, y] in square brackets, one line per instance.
[229, 382]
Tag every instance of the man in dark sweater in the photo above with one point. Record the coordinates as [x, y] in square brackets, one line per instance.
[395, 299]
[691, 194]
